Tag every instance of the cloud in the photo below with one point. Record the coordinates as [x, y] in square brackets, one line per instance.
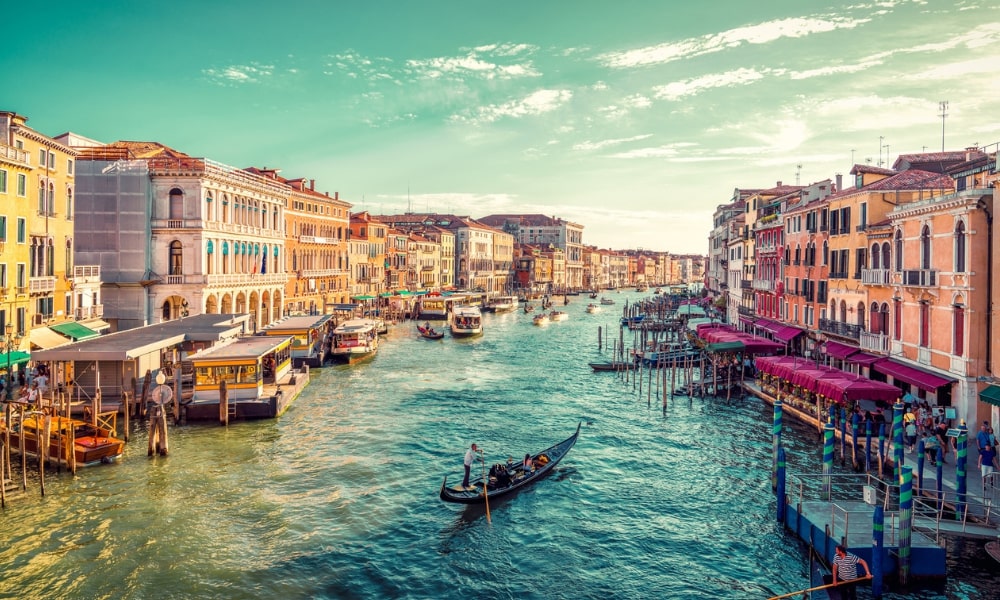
[238, 74]
[665, 151]
[536, 103]
[689, 87]
[481, 62]
[356, 66]
[588, 145]
[761, 33]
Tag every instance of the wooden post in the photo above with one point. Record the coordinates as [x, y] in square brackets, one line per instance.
[128, 408]
[71, 440]
[43, 447]
[141, 408]
[177, 391]
[223, 403]
[24, 459]
[95, 405]
[4, 466]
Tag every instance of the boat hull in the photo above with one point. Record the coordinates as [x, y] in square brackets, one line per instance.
[92, 446]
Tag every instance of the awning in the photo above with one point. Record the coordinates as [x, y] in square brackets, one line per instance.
[924, 380]
[787, 333]
[97, 325]
[74, 330]
[841, 351]
[363, 298]
[725, 347]
[746, 320]
[16, 357]
[45, 338]
[768, 325]
[991, 395]
[864, 359]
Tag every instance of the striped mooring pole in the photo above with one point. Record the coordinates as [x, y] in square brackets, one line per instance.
[940, 476]
[780, 496]
[854, 440]
[776, 438]
[827, 460]
[868, 445]
[921, 456]
[897, 440]
[878, 519]
[881, 447]
[961, 477]
[905, 522]
[843, 435]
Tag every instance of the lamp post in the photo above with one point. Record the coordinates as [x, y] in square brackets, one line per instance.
[10, 342]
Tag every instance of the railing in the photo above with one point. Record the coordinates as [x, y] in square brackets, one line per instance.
[919, 278]
[312, 239]
[14, 154]
[876, 342]
[86, 272]
[838, 328]
[763, 285]
[41, 285]
[745, 284]
[89, 312]
[875, 276]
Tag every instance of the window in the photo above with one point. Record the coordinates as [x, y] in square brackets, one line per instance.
[925, 324]
[52, 160]
[22, 230]
[958, 330]
[897, 324]
[3, 181]
[69, 166]
[899, 250]
[3, 228]
[176, 258]
[960, 247]
[925, 247]
[42, 157]
[22, 185]
[69, 204]
[176, 204]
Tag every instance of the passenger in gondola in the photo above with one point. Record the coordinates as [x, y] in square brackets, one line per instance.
[527, 465]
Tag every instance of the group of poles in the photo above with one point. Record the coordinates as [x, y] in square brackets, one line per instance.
[902, 474]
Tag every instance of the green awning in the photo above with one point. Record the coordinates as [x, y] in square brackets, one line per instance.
[16, 358]
[991, 395]
[363, 298]
[725, 347]
[75, 331]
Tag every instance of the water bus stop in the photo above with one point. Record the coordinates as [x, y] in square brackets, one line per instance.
[310, 337]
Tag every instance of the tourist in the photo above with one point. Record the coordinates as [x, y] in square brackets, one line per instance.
[527, 465]
[470, 456]
[931, 445]
[987, 460]
[911, 435]
[983, 436]
[845, 572]
[34, 396]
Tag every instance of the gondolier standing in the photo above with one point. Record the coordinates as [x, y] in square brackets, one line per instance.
[845, 572]
[470, 455]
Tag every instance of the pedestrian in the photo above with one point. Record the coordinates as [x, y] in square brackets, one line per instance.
[983, 436]
[845, 572]
[911, 435]
[470, 456]
[987, 460]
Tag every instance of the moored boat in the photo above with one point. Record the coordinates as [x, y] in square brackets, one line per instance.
[614, 365]
[91, 445]
[505, 481]
[354, 340]
[529, 308]
[606, 301]
[502, 304]
[466, 321]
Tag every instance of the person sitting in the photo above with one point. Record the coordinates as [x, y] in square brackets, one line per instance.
[527, 465]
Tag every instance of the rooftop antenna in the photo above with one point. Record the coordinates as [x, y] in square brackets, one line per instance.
[409, 207]
[887, 154]
[881, 139]
[798, 172]
[852, 157]
[944, 113]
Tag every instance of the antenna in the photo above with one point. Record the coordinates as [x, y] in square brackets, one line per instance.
[409, 207]
[798, 172]
[887, 154]
[944, 113]
[881, 139]
[852, 157]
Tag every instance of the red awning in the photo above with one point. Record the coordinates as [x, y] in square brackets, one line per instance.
[787, 333]
[850, 390]
[768, 325]
[924, 380]
[864, 359]
[746, 320]
[841, 351]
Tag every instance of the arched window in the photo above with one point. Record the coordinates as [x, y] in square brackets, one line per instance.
[861, 315]
[69, 204]
[826, 253]
[176, 258]
[925, 324]
[897, 321]
[876, 325]
[960, 247]
[925, 247]
[899, 250]
[843, 311]
[885, 256]
[958, 328]
[875, 258]
[176, 204]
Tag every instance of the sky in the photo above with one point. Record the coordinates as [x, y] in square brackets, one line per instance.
[635, 118]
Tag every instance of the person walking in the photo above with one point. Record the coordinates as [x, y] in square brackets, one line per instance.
[987, 460]
[470, 457]
[845, 572]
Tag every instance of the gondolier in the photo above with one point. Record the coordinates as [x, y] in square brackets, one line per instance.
[470, 456]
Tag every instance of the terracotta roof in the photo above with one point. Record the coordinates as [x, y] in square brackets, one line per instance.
[913, 179]
[870, 169]
[938, 162]
[530, 220]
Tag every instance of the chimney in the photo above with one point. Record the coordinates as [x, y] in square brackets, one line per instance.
[312, 184]
[779, 184]
[336, 195]
[840, 182]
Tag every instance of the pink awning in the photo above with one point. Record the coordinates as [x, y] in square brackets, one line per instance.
[841, 351]
[851, 390]
[787, 333]
[863, 359]
[924, 380]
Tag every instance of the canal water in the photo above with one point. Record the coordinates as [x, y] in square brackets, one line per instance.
[339, 497]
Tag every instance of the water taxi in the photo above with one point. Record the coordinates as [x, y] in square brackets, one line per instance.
[354, 340]
[558, 315]
[593, 308]
[606, 301]
[502, 304]
[540, 319]
[466, 321]
[310, 337]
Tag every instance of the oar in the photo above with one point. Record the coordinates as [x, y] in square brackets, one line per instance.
[819, 587]
[486, 482]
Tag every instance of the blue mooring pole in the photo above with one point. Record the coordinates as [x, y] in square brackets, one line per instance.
[881, 447]
[776, 439]
[854, 440]
[827, 460]
[897, 439]
[843, 435]
[940, 476]
[878, 519]
[905, 522]
[961, 477]
[780, 496]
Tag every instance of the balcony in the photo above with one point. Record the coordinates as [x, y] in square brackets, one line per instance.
[875, 276]
[745, 284]
[763, 285]
[875, 342]
[840, 329]
[89, 312]
[87, 273]
[919, 278]
[312, 239]
[745, 311]
[41, 285]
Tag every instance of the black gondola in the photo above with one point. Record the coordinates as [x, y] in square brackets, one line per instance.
[615, 365]
[515, 479]
[429, 333]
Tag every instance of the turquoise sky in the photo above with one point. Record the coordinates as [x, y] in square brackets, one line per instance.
[633, 118]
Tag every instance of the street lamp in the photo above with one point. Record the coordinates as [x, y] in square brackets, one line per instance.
[10, 342]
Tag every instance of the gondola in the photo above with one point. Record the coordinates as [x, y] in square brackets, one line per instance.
[515, 478]
[615, 365]
[429, 333]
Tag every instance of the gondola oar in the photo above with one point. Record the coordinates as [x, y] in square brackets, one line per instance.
[486, 483]
[818, 587]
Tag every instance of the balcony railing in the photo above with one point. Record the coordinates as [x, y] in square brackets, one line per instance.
[745, 284]
[41, 285]
[875, 276]
[745, 310]
[876, 342]
[840, 329]
[919, 278]
[763, 285]
[89, 312]
[312, 239]
[81, 272]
